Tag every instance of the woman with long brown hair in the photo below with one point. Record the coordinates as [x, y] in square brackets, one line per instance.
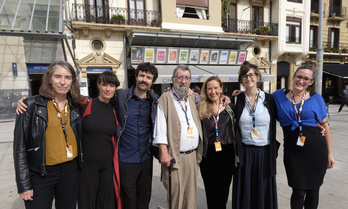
[47, 141]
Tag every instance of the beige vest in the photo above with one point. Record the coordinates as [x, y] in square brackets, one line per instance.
[174, 126]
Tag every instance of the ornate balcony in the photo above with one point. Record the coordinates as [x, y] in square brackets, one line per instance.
[115, 15]
[248, 26]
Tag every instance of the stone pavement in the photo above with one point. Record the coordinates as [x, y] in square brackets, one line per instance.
[333, 193]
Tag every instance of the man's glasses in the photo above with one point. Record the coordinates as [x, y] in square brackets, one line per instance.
[305, 79]
[250, 75]
[180, 78]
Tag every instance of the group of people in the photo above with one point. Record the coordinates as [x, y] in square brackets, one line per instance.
[113, 141]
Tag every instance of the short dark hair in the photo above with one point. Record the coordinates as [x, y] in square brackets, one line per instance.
[244, 69]
[149, 68]
[108, 77]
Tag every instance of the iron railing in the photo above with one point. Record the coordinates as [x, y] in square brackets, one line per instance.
[118, 15]
[248, 26]
[331, 47]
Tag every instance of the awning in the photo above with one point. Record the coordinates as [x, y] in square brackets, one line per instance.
[230, 73]
[339, 70]
[165, 73]
[32, 18]
[201, 73]
[147, 38]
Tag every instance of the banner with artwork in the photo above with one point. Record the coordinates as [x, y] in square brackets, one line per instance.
[172, 56]
[161, 55]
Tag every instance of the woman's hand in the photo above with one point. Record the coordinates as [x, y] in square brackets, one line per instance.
[236, 92]
[322, 129]
[28, 195]
[21, 107]
[225, 100]
[331, 162]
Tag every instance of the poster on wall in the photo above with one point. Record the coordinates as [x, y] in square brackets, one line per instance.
[172, 55]
[204, 56]
[223, 57]
[183, 56]
[137, 54]
[232, 59]
[161, 55]
[149, 55]
[194, 56]
[214, 57]
[241, 57]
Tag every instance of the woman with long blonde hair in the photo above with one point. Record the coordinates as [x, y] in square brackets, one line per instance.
[217, 164]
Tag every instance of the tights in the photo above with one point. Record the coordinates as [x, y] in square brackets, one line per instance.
[307, 198]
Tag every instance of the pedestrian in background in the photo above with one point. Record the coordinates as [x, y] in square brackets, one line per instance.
[217, 164]
[344, 98]
[47, 141]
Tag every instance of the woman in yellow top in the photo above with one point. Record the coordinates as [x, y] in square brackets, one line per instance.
[47, 141]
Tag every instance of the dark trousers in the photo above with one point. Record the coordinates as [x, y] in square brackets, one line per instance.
[136, 182]
[96, 186]
[61, 182]
[217, 169]
[344, 102]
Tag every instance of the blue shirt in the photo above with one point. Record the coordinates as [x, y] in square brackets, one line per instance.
[136, 135]
[313, 110]
[262, 120]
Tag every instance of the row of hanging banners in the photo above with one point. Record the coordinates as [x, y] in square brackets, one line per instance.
[163, 55]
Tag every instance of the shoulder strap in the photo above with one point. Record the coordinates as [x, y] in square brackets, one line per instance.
[231, 113]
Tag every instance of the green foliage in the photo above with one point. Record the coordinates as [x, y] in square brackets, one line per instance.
[118, 18]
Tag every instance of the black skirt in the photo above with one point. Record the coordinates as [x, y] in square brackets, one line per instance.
[253, 185]
[305, 166]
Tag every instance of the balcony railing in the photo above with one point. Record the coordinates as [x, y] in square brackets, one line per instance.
[99, 14]
[331, 47]
[248, 26]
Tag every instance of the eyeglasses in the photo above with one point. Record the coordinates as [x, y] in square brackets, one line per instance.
[180, 78]
[250, 75]
[305, 79]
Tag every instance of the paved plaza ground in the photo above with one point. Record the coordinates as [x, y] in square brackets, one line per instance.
[333, 193]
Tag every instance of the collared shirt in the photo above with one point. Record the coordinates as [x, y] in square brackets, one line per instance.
[136, 135]
[262, 120]
[160, 131]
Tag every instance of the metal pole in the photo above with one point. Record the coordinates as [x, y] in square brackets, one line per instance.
[319, 78]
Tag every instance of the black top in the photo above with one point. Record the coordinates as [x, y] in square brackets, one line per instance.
[100, 125]
[224, 129]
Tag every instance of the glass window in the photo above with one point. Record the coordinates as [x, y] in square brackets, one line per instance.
[293, 30]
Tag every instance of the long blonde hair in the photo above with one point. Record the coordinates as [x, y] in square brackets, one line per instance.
[203, 107]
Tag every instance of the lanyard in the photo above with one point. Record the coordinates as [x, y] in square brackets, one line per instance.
[216, 120]
[183, 109]
[299, 111]
[251, 109]
[60, 118]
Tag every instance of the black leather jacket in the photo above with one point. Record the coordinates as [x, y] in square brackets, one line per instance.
[29, 140]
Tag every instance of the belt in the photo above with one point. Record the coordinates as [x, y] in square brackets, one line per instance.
[187, 152]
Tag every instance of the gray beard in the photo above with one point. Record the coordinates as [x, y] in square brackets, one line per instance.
[180, 93]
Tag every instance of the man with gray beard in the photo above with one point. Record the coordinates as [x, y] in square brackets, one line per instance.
[178, 134]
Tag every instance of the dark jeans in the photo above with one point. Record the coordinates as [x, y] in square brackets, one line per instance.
[344, 102]
[61, 182]
[136, 182]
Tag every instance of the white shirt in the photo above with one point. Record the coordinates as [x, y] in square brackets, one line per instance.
[160, 130]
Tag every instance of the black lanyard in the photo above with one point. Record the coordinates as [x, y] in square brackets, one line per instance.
[216, 120]
[60, 118]
[183, 109]
[299, 111]
[252, 110]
